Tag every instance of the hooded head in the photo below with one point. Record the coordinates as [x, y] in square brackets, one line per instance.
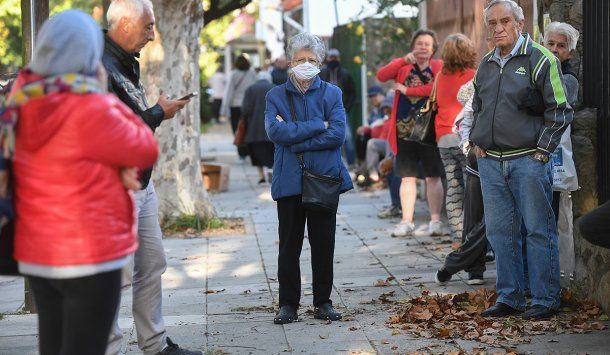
[69, 42]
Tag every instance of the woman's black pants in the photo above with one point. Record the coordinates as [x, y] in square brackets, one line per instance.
[75, 315]
[470, 256]
[321, 234]
[595, 226]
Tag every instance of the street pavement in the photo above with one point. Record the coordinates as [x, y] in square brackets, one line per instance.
[220, 293]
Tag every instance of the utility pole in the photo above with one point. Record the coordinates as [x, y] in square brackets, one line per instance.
[34, 13]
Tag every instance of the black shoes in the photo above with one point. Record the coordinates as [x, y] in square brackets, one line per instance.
[538, 312]
[475, 279]
[499, 310]
[173, 349]
[442, 276]
[326, 312]
[287, 314]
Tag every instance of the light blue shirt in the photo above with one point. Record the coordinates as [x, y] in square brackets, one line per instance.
[502, 61]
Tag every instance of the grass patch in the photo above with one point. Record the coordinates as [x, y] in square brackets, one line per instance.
[193, 223]
[205, 127]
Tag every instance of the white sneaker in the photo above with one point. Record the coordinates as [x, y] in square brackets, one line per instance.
[435, 228]
[403, 229]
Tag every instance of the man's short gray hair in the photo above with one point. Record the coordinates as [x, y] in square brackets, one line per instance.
[305, 40]
[515, 8]
[562, 28]
[131, 9]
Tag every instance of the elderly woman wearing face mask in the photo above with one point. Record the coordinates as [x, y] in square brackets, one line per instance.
[315, 129]
[74, 229]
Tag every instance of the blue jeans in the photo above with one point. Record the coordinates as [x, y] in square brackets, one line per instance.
[349, 146]
[394, 187]
[515, 191]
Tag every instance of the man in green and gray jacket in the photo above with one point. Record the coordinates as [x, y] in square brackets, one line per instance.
[513, 144]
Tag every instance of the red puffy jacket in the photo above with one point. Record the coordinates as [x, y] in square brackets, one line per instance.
[71, 206]
[398, 70]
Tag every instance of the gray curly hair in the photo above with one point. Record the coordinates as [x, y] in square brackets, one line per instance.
[305, 40]
[515, 8]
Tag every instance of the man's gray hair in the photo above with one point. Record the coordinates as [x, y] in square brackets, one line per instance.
[562, 28]
[131, 9]
[515, 8]
[305, 40]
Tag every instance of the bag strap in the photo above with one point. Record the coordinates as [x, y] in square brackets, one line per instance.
[293, 118]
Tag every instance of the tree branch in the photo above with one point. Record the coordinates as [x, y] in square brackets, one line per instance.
[219, 8]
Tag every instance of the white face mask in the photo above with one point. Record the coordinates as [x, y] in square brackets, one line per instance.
[305, 71]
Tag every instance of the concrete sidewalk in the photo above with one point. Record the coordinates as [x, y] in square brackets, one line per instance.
[220, 293]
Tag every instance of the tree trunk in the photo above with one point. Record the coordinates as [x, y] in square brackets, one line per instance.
[170, 66]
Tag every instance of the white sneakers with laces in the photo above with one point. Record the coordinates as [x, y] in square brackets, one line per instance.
[403, 229]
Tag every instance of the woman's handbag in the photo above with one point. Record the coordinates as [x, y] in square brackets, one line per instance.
[240, 133]
[423, 128]
[320, 192]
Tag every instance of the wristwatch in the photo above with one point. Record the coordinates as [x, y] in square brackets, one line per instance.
[543, 158]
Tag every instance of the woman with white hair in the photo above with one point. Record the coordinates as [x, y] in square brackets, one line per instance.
[306, 120]
[253, 112]
[75, 225]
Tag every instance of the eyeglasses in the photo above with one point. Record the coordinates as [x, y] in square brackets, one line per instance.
[303, 60]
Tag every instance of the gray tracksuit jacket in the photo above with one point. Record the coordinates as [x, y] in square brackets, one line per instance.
[502, 126]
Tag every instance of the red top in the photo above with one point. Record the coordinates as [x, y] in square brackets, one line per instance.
[398, 70]
[71, 206]
[447, 87]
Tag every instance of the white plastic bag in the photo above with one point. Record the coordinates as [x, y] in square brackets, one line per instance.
[564, 170]
[565, 236]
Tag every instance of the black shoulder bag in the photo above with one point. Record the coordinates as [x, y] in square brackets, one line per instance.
[423, 129]
[320, 193]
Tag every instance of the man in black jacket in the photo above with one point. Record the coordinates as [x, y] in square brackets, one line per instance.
[130, 28]
[335, 74]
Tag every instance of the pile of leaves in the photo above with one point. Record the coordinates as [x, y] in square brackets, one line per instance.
[458, 316]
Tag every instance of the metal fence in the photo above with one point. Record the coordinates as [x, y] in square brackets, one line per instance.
[596, 85]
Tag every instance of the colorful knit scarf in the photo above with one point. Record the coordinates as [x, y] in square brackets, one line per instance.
[10, 103]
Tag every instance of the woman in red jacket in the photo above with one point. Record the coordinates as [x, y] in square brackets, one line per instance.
[413, 77]
[459, 61]
[74, 229]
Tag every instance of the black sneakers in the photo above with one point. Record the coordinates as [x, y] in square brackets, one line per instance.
[442, 276]
[173, 349]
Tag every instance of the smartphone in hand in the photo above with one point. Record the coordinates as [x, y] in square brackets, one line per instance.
[188, 96]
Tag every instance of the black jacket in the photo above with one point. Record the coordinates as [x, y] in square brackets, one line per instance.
[124, 81]
[253, 111]
[344, 82]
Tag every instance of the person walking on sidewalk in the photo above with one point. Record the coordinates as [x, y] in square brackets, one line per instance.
[305, 116]
[413, 77]
[513, 146]
[253, 111]
[241, 78]
[131, 27]
[75, 217]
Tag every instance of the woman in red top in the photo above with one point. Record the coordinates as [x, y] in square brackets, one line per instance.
[75, 220]
[413, 77]
[459, 61]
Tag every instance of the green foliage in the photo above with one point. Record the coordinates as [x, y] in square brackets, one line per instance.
[193, 223]
[10, 33]
[10, 26]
